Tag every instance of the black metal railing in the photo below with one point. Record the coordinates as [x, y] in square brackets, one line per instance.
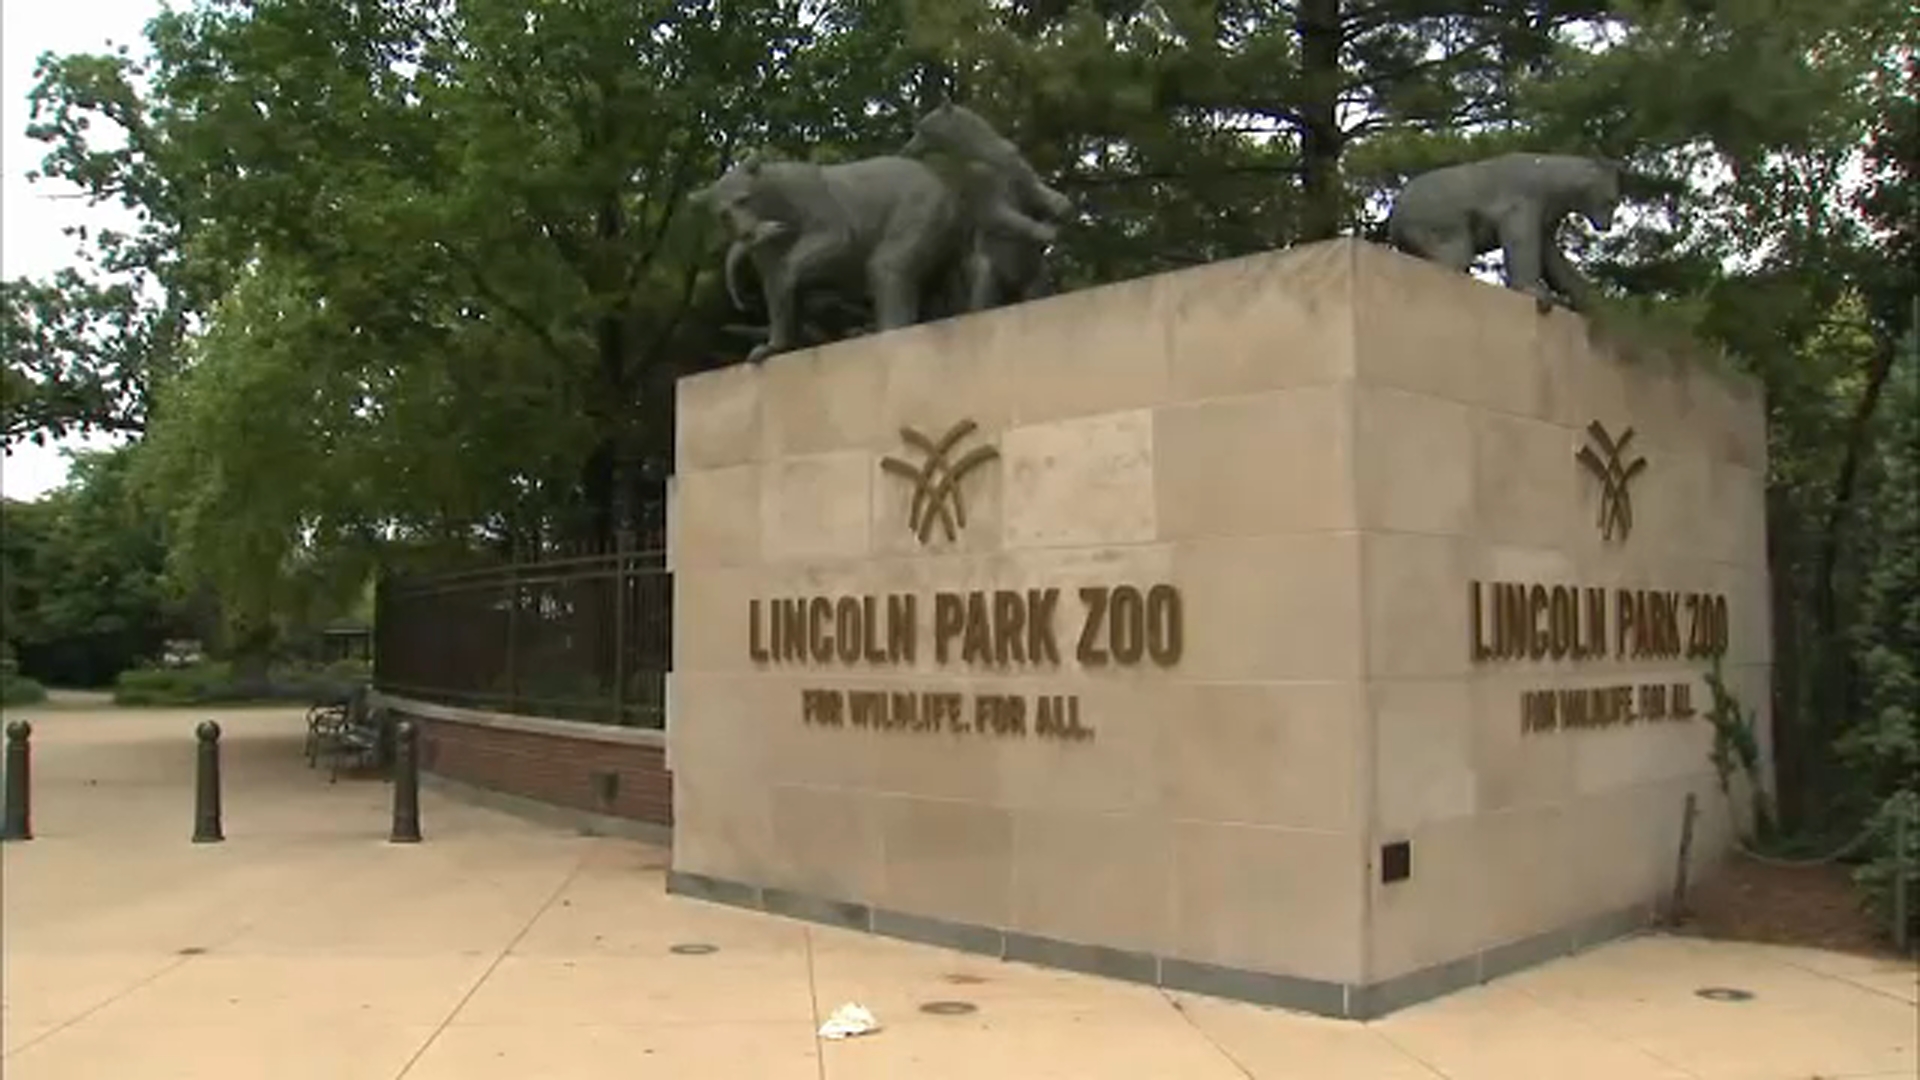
[575, 639]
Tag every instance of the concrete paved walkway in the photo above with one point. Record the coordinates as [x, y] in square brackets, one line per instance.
[305, 946]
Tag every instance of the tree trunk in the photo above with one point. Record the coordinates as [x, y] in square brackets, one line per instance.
[594, 532]
[1317, 25]
[1789, 697]
[610, 484]
[1859, 434]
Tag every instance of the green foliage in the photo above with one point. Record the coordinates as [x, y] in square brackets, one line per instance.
[15, 688]
[220, 683]
[83, 351]
[198, 684]
[1896, 825]
[83, 596]
[1736, 749]
[1882, 746]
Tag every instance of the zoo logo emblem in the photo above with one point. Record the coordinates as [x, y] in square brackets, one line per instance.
[936, 481]
[1616, 505]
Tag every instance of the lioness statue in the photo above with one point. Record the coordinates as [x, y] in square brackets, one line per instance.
[1514, 202]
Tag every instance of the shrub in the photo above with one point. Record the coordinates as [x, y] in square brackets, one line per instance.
[216, 682]
[17, 689]
[192, 684]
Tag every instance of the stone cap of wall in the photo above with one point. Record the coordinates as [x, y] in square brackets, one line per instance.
[537, 725]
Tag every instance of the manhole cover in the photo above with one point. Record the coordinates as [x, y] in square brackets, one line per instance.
[694, 948]
[1723, 993]
[949, 1008]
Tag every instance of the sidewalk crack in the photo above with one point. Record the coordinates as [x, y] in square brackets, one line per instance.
[813, 1002]
[559, 890]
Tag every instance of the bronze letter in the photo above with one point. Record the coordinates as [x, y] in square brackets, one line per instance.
[1095, 599]
[1561, 617]
[755, 649]
[1670, 621]
[1126, 624]
[1644, 627]
[793, 629]
[819, 620]
[949, 619]
[977, 646]
[1478, 649]
[1538, 637]
[846, 629]
[1166, 630]
[1573, 708]
[1595, 643]
[1623, 612]
[902, 628]
[1514, 635]
[1040, 640]
[870, 630]
[1009, 627]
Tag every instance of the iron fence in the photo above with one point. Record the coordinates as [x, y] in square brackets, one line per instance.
[575, 639]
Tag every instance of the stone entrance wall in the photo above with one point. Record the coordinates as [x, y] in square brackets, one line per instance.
[1272, 483]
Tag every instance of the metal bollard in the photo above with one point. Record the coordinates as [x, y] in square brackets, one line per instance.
[19, 813]
[206, 801]
[406, 784]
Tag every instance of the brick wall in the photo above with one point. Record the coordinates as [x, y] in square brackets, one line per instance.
[556, 769]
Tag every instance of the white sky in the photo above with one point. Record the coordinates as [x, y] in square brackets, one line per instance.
[31, 242]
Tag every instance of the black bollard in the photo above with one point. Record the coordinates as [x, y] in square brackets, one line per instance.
[19, 814]
[206, 800]
[406, 784]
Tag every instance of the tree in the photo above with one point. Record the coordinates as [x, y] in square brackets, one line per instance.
[84, 599]
[84, 350]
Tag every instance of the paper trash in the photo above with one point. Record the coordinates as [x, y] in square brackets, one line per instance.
[847, 1021]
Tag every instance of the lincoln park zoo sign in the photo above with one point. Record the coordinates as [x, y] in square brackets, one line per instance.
[1520, 621]
[1120, 625]
[1127, 625]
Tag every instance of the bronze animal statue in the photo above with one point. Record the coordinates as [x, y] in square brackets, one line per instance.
[892, 229]
[1010, 210]
[1515, 203]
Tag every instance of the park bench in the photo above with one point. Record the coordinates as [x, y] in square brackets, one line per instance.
[345, 731]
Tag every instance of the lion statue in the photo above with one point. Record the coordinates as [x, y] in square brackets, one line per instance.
[1513, 202]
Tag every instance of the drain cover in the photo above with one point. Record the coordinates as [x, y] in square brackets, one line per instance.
[949, 1008]
[1723, 993]
[693, 948]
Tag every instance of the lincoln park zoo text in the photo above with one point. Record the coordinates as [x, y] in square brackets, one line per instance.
[1004, 630]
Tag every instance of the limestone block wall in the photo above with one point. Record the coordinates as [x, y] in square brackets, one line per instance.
[1469, 408]
[1319, 450]
[1191, 430]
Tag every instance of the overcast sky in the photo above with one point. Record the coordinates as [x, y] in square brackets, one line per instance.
[31, 243]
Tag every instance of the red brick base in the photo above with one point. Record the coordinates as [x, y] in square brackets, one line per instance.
[617, 779]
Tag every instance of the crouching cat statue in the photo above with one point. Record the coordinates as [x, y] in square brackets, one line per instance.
[1011, 212]
[1516, 203]
[893, 229]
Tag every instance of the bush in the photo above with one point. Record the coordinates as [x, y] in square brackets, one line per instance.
[215, 682]
[17, 689]
[193, 684]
